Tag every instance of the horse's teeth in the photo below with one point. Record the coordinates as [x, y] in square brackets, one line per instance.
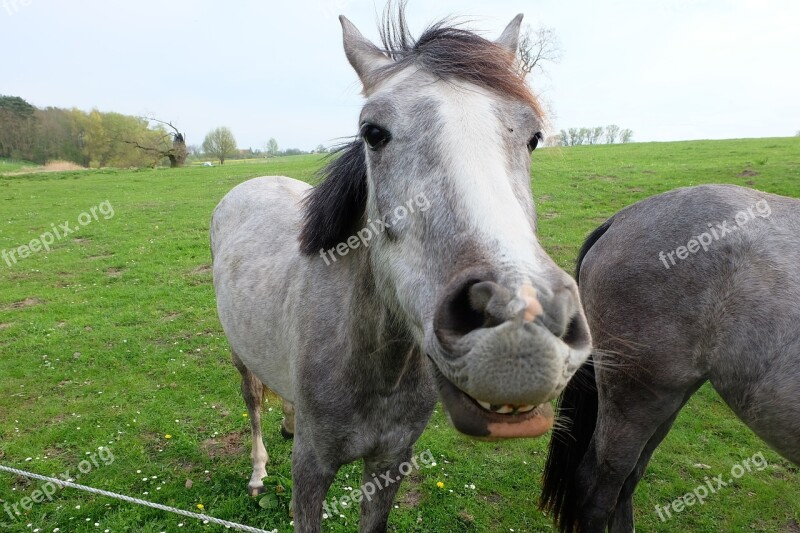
[506, 409]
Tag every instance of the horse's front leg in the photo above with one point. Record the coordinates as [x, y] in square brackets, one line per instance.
[311, 479]
[382, 479]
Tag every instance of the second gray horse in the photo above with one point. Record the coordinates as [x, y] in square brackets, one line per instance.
[698, 284]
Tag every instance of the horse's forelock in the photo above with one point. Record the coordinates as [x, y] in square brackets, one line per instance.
[448, 51]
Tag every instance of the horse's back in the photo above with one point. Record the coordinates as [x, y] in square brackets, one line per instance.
[266, 201]
[651, 254]
[257, 265]
[728, 311]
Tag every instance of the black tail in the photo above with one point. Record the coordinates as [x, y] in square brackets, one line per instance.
[577, 419]
[591, 240]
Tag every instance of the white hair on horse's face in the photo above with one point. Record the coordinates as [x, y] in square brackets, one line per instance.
[464, 148]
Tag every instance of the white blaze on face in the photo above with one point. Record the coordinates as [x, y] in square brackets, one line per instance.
[474, 151]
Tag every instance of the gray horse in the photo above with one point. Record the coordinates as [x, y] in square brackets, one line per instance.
[413, 267]
[698, 284]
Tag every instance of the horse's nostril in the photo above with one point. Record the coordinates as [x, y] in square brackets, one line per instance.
[467, 305]
[475, 301]
[577, 333]
[465, 311]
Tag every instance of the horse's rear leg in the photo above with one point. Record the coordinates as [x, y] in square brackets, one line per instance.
[253, 393]
[621, 520]
[629, 417]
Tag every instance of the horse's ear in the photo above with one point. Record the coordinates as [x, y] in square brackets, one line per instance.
[365, 57]
[510, 37]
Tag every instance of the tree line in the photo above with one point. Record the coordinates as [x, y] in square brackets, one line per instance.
[220, 145]
[91, 139]
[105, 139]
[611, 134]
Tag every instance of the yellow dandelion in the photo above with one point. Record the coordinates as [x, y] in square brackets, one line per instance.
[201, 506]
[167, 436]
[440, 484]
[244, 415]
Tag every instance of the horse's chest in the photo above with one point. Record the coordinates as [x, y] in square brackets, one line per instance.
[392, 424]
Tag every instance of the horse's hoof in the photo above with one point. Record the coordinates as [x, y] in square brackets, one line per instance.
[256, 491]
[285, 434]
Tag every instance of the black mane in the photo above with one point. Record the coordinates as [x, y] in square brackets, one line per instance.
[334, 208]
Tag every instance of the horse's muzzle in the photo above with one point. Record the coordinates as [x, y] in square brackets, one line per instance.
[502, 354]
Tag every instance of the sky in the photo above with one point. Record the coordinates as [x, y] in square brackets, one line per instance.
[666, 69]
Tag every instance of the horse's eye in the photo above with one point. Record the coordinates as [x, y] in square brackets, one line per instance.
[375, 136]
[534, 142]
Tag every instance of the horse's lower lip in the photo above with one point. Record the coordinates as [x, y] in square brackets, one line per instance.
[471, 418]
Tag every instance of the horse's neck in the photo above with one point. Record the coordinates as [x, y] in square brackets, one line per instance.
[383, 346]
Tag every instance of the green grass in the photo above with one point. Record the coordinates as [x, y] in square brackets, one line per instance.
[11, 165]
[111, 339]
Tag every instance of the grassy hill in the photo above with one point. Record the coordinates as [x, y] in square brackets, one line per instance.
[111, 339]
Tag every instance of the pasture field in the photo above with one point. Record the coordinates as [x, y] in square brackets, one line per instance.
[8, 166]
[111, 339]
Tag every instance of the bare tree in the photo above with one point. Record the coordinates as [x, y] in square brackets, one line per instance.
[220, 143]
[176, 153]
[594, 135]
[576, 136]
[625, 136]
[612, 133]
[537, 47]
[555, 140]
[272, 147]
